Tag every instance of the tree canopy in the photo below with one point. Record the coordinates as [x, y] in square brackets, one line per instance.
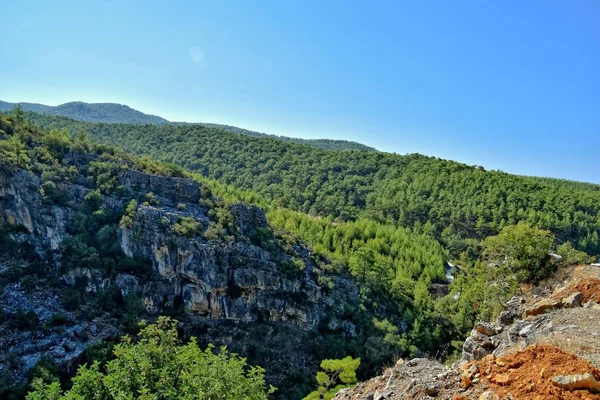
[157, 366]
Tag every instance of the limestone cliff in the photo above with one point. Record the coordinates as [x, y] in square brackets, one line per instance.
[238, 285]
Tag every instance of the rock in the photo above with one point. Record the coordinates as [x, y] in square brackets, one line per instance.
[465, 381]
[70, 345]
[460, 397]
[127, 283]
[591, 305]
[577, 382]
[572, 301]
[489, 395]
[501, 379]
[58, 351]
[485, 328]
[432, 390]
[525, 331]
[542, 307]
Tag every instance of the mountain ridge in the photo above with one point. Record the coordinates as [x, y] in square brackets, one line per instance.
[123, 114]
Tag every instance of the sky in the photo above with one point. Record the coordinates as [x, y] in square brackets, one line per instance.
[510, 85]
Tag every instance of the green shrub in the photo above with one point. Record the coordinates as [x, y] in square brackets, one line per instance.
[187, 226]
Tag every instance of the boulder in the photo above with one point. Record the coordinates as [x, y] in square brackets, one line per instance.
[573, 301]
[485, 328]
[542, 307]
[585, 381]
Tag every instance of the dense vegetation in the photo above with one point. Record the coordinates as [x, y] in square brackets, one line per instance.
[389, 221]
[324, 144]
[117, 113]
[458, 204]
[390, 265]
[157, 366]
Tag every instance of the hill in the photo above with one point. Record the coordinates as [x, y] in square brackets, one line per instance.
[456, 203]
[95, 112]
[93, 239]
[324, 144]
[117, 113]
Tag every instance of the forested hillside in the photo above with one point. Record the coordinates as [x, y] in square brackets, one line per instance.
[79, 227]
[96, 112]
[325, 144]
[118, 113]
[456, 203]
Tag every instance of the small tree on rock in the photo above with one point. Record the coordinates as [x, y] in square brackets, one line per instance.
[335, 375]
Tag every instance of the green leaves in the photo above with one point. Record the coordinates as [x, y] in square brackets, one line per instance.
[158, 366]
[523, 249]
[335, 375]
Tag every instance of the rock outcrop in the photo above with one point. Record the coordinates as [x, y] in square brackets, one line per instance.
[231, 288]
[530, 352]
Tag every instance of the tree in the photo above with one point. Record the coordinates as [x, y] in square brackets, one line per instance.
[13, 153]
[523, 248]
[336, 375]
[158, 366]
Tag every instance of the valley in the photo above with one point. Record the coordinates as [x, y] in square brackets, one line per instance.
[286, 253]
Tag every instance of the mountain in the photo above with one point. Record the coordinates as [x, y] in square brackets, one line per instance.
[117, 113]
[456, 203]
[287, 253]
[91, 112]
[93, 239]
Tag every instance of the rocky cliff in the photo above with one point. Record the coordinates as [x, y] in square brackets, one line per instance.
[218, 267]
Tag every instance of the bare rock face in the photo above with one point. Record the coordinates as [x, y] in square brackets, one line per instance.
[233, 290]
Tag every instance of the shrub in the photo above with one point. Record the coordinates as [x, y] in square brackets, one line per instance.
[187, 226]
[523, 249]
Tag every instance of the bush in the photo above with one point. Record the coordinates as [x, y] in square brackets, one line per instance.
[572, 256]
[26, 320]
[187, 226]
[524, 249]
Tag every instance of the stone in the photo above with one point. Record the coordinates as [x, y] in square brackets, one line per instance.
[489, 395]
[465, 381]
[525, 331]
[591, 305]
[485, 328]
[501, 379]
[577, 382]
[573, 301]
[70, 345]
[58, 352]
[542, 307]
[432, 390]
[460, 397]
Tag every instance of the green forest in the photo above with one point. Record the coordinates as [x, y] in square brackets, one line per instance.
[457, 204]
[390, 222]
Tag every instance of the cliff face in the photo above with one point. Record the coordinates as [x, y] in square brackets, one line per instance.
[240, 286]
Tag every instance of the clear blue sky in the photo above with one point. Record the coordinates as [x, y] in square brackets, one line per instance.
[511, 85]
